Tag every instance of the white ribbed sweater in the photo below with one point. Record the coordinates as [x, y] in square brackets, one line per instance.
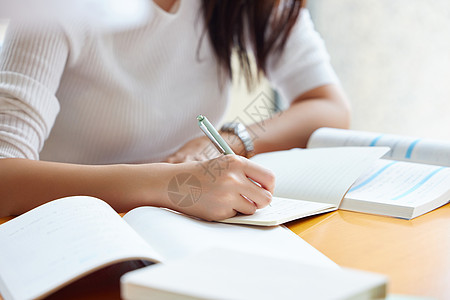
[74, 95]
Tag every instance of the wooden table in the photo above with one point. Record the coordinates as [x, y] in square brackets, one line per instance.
[415, 255]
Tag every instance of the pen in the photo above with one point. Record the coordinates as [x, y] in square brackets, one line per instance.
[209, 130]
[216, 139]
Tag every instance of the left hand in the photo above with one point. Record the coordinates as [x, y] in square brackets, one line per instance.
[198, 149]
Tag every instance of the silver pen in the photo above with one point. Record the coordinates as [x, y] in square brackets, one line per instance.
[209, 130]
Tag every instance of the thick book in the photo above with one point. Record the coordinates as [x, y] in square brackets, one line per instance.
[63, 240]
[235, 275]
[411, 179]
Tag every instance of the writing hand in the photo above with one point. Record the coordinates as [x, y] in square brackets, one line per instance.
[220, 188]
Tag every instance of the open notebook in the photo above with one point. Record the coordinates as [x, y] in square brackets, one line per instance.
[310, 181]
[63, 240]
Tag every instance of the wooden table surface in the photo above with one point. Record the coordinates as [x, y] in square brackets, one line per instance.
[413, 254]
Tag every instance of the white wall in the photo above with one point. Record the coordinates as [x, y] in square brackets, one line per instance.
[393, 58]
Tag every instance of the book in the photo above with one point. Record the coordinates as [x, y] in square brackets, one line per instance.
[64, 240]
[411, 179]
[403, 148]
[230, 274]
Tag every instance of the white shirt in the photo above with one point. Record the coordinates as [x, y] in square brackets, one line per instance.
[75, 95]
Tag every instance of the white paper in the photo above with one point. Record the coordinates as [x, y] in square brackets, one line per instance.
[177, 236]
[281, 210]
[225, 274]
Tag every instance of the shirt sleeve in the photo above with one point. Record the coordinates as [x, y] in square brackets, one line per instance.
[32, 61]
[304, 64]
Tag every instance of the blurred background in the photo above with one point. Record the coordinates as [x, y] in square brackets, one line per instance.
[3, 25]
[392, 57]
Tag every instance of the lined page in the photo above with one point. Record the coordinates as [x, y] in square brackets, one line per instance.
[281, 210]
[320, 175]
[61, 240]
[401, 183]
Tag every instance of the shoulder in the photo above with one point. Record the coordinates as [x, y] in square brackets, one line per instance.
[37, 37]
[304, 63]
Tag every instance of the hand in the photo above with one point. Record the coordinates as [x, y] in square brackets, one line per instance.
[197, 149]
[201, 149]
[220, 188]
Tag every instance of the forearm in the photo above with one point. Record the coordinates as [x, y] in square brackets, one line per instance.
[325, 107]
[25, 184]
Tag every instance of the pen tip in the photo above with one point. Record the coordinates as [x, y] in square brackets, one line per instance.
[200, 117]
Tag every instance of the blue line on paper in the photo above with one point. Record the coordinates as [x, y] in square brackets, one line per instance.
[411, 148]
[372, 177]
[419, 184]
[375, 141]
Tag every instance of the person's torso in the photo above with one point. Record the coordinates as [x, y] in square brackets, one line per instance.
[133, 96]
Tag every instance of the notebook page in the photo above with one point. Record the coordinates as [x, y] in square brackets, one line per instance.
[58, 241]
[177, 236]
[321, 175]
[281, 210]
[401, 183]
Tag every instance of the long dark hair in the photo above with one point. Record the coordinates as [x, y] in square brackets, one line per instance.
[267, 23]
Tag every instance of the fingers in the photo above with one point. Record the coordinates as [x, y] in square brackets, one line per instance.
[258, 195]
[248, 197]
[245, 206]
[198, 149]
[260, 175]
[227, 187]
[172, 159]
[179, 158]
[256, 191]
[249, 180]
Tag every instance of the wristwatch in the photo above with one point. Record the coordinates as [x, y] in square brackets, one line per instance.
[241, 132]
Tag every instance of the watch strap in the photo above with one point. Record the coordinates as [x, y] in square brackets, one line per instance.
[242, 134]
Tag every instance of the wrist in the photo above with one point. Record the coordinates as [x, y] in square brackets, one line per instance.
[239, 137]
[234, 142]
[127, 186]
[155, 183]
